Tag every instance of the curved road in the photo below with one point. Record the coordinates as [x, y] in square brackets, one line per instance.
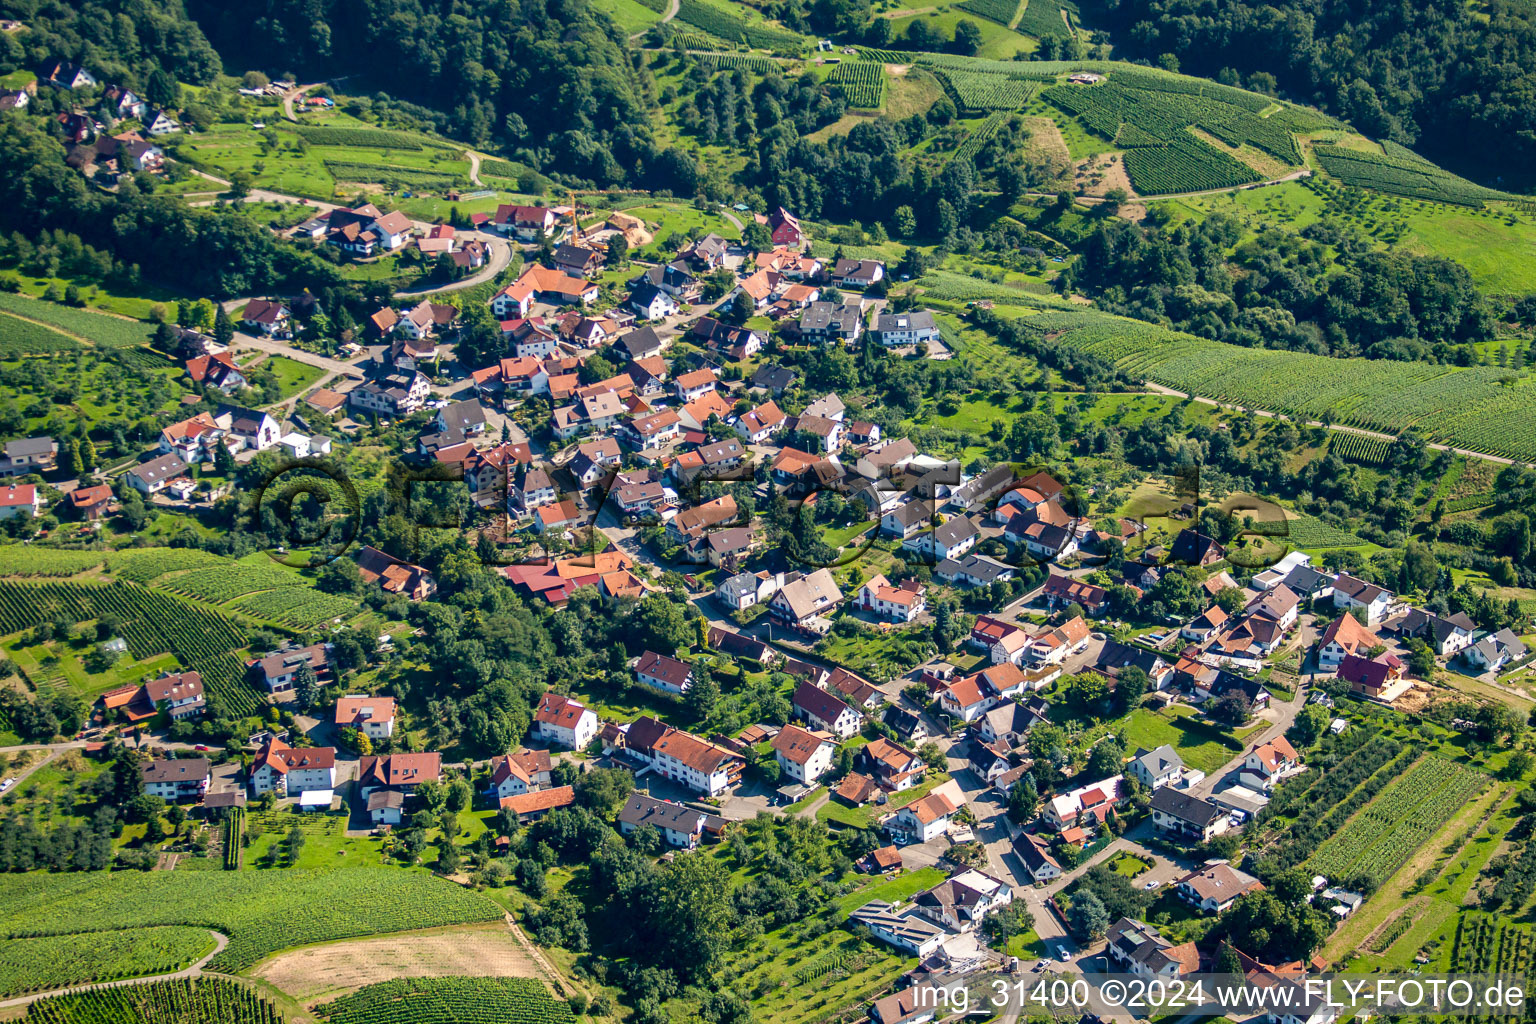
[671, 13]
[220, 940]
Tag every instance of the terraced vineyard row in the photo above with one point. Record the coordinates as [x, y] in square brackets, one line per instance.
[722, 23]
[300, 607]
[1000, 11]
[368, 138]
[981, 90]
[150, 622]
[450, 1001]
[863, 83]
[1044, 18]
[1404, 173]
[743, 61]
[22, 338]
[220, 583]
[978, 138]
[385, 174]
[1368, 451]
[1377, 840]
[105, 331]
[1184, 165]
[1311, 532]
[1465, 407]
[58, 961]
[261, 911]
[28, 560]
[140, 565]
[207, 1000]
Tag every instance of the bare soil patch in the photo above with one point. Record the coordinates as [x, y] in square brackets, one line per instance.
[320, 973]
[1097, 175]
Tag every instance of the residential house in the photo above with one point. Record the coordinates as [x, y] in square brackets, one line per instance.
[217, 371]
[1204, 626]
[681, 826]
[889, 764]
[663, 673]
[1446, 636]
[578, 261]
[906, 931]
[393, 393]
[736, 342]
[801, 602]
[1213, 888]
[1495, 650]
[949, 540]
[708, 253]
[152, 476]
[1371, 678]
[924, 819]
[1055, 645]
[373, 717]
[784, 228]
[395, 575]
[386, 807]
[525, 223]
[893, 603]
[906, 520]
[20, 499]
[773, 379]
[541, 284]
[692, 524]
[279, 670]
[912, 328]
[758, 425]
[1115, 657]
[967, 698]
[1344, 635]
[1035, 854]
[526, 771]
[29, 455]
[973, 570]
[92, 503]
[805, 755]
[1180, 815]
[651, 302]
[859, 274]
[179, 694]
[1350, 593]
[182, 779]
[290, 771]
[826, 322]
[1278, 605]
[1191, 547]
[63, 74]
[403, 771]
[746, 589]
[907, 724]
[825, 711]
[1157, 768]
[564, 722]
[1091, 802]
[1006, 725]
[962, 901]
[701, 766]
[1135, 947]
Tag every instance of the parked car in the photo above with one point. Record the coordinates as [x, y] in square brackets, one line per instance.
[7, 784]
[1063, 955]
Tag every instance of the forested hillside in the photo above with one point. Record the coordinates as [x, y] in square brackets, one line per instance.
[1453, 80]
[548, 81]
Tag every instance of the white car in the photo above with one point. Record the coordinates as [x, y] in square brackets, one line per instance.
[1043, 964]
[1152, 885]
[1062, 954]
[7, 784]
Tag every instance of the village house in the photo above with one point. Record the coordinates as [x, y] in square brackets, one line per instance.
[912, 328]
[906, 931]
[1350, 593]
[542, 284]
[92, 503]
[1344, 636]
[663, 673]
[825, 711]
[680, 826]
[701, 766]
[290, 771]
[181, 779]
[179, 694]
[525, 223]
[1372, 678]
[1445, 635]
[803, 602]
[1054, 646]
[402, 772]
[391, 393]
[1135, 947]
[532, 806]
[29, 455]
[893, 603]
[1213, 888]
[1268, 764]
[891, 765]
[20, 499]
[804, 755]
[859, 274]
[828, 322]
[784, 228]
[1492, 652]
[949, 540]
[1091, 802]
[151, 477]
[564, 722]
[373, 717]
[523, 772]
[394, 575]
[924, 819]
[960, 902]
[1180, 815]
[1157, 768]
[278, 670]
[1035, 854]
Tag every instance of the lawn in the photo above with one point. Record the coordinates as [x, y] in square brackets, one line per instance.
[59, 663]
[1197, 744]
[292, 375]
[629, 15]
[1129, 865]
[834, 812]
[677, 219]
[997, 42]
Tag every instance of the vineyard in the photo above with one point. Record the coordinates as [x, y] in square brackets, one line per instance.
[978, 138]
[22, 338]
[140, 565]
[204, 1001]
[300, 607]
[26, 560]
[151, 623]
[105, 331]
[234, 830]
[1000, 11]
[1044, 18]
[722, 23]
[1401, 172]
[1368, 451]
[1184, 165]
[449, 1001]
[261, 912]
[863, 83]
[982, 90]
[1403, 817]
[367, 138]
[744, 62]
[1311, 532]
[58, 961]
[385, 174]
[1468, 407]
[219, 583]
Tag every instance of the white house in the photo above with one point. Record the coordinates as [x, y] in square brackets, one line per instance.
[804, 755]
[663, 673]
[892, 603]
[181, 779]
[289, 771]
[564, 722]
[1349, 592]
[960, 902]
[923, 820]
[1157, 768]
[1268, 764]
[374, 717]
[824, 710]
